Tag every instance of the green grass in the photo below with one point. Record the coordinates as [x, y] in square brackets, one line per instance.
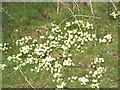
[27, 18]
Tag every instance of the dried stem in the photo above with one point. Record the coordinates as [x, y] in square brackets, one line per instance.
[74, 1]
[71, 13]
[79, 16]
[91, 7]
[8, 15]
[113, 5]
[26, 79]
[58, 6]
[70, 10]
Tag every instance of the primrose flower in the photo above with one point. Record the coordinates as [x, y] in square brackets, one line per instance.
[57, 27]
[83, 80]
[74, 77]
[80, 21]
[70, 55]
[16, 68]
[88, 25]
[42, 37]
[16, 30]
[2, 66]
[76, 21]
[99, 71]
[93, 35]
[51, 37]
[1, 46]
[57, 75]
[96, 85]
[95, 80]
[114, 15]
[61, 85]
[64, 47]
[67, 62]
[104, 40]
[67, 24]
[90, 72]
[25, 49]
[108, 37]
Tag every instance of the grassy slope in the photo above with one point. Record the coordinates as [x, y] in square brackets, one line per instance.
[27, 18]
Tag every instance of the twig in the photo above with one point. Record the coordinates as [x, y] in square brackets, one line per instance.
[74, 1]
[88, 16]
[26, 79]
[7, 13]
[91, 7]
[58, 6]
[113, 5]
[71, 13]
[79, 16]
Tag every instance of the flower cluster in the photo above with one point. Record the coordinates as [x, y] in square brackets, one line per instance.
[94, 76]
[114, 15]
[61, 85]
[83, 80]
[23, 41]
[4, 47]
[82, 24]
[2, 66]
[25, 56]
[68, 62]
[97, 73]
[54, 53]
[106, 38]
